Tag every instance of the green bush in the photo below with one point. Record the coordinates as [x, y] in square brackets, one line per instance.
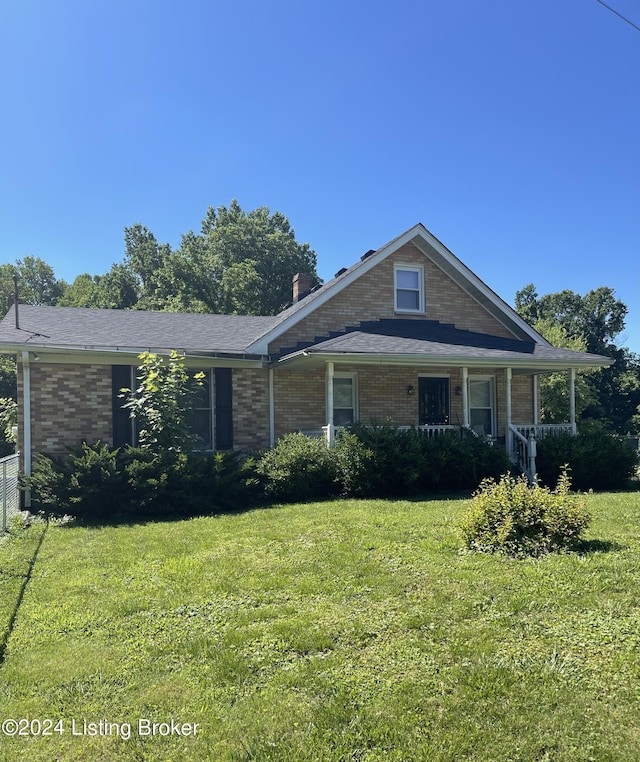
[298, 468]
[598, 460]
[86, 483]
[355, 465]
[97, 483]
[458, 461]
[511, 517]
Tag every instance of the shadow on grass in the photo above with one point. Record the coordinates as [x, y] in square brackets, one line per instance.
[588, 547]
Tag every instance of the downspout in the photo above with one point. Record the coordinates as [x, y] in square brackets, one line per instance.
[26, 407]
[272, 408]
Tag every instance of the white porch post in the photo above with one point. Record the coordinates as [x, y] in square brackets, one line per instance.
[330, 371]
[465, 397]
[572, 400]
[26, 434]
[509, 439]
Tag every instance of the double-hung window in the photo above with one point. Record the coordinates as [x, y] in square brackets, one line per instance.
[200, 415]
[409, 288]
[344, 399]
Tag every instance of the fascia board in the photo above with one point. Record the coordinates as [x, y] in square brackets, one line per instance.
[468, 275]
[304, 358]
[126, 356]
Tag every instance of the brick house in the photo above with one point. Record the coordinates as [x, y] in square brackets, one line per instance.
[407, 334]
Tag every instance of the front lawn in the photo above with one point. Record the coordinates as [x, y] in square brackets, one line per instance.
[353, 630]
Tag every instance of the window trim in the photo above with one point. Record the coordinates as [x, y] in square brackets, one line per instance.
[493, 401]
[419, 269]
[354, 390]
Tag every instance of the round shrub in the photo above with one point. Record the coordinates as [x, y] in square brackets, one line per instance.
[298, 468]
[511, 517]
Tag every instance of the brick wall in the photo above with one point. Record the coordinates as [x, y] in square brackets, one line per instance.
[250, 408]
[372, 296]
[69, 404]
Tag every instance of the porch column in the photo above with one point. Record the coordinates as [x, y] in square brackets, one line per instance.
[26, 414]
[572, 400]
[330, 370]
[465, 397]
[509, 436]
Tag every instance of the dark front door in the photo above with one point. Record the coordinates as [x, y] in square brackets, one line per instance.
[434, 401]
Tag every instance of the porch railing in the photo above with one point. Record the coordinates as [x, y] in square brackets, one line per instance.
[329, 432]
[522, 443]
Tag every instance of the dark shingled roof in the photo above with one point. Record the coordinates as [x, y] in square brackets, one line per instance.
[81, 328]
[437, 340]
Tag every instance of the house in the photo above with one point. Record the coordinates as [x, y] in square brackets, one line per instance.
[408, 334]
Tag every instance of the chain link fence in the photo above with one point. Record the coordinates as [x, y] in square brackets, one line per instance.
[9, 494]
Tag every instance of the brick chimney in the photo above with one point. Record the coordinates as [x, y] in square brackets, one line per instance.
[301, 286]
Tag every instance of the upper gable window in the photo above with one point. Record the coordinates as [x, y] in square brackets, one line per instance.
[409, 286]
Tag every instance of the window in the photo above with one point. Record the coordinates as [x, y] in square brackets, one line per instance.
[481, 406]
[433, 401]
[200, 415]
[344, 399]
[409, 289]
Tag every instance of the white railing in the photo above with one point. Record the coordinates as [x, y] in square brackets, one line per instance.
[9, 495]
[328, 432]
[543, 430]
[522, 451]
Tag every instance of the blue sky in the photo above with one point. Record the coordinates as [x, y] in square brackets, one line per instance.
[510, 129]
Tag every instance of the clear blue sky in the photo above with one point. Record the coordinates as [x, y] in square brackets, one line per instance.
[510, 129]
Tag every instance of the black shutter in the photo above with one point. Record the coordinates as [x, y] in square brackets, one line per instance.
[224, 409]
[122, 429]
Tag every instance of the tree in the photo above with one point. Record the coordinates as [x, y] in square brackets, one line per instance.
[240, 263]
[554, 388]
[37, 283]
[161, 404]
[598, 317]
[591, 322]
[117, 289]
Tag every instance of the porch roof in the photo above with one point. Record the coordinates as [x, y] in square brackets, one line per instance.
[429, 342]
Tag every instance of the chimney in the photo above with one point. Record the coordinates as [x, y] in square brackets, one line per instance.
[301, 286]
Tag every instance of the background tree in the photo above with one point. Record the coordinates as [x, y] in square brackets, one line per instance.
[592, 323]
[37, 283]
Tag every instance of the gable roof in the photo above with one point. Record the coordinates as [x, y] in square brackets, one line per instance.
[432, 248]
[79, 328]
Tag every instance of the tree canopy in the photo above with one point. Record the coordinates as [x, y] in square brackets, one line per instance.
[591, 323]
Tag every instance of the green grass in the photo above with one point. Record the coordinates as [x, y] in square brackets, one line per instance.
[351, 630]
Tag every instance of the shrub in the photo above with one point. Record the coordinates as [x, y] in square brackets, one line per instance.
[459, 461]
[394, 467]
[298, 468]
[355, 465]
[598, 460]
[511, 517]
[97, 483]
[87, 483]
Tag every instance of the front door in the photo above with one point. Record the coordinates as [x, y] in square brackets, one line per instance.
[433, 401]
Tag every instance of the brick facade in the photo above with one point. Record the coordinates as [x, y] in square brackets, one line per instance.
[72, 404]
[372, 297]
